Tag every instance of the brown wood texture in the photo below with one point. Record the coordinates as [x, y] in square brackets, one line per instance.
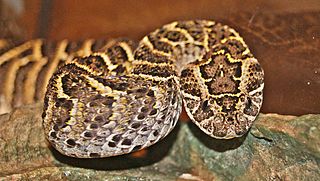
[28, 19]
[76, 19]
[286, 45]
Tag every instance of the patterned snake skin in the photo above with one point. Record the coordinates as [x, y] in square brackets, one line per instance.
[26, 68]
[102, 105]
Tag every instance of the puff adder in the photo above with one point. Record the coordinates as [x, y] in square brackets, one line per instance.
[93, 108]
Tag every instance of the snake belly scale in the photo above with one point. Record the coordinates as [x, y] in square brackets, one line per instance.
[92, 109]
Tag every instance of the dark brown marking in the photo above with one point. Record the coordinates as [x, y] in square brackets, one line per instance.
[113, 84]
[94, 126]
[94, 155]
[223, 85]
[150, 93]
[99, 119]
[63, 102]
[144, 109]
[153, 112]
[88, 134]
[155, 133]
[117, 54]
[53, 135]
[135, 125]
[116, 138]
[162, 46]
[175, 36]
[108, 101]
[126, 142]
[205, 106]
[154, 70]
[71, 142]
[112, 144]
[120, 69]
[145, 54]
[141, 116]
[25, 53]
[144, 129]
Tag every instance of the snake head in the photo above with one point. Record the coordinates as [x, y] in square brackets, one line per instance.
[223, 95]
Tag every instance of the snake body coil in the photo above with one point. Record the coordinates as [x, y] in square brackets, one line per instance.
[26, 67]
[100, 106]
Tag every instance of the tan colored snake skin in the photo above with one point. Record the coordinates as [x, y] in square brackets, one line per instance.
[26, 68]
[94, 110]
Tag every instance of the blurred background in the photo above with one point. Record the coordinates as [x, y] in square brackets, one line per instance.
[283, 35]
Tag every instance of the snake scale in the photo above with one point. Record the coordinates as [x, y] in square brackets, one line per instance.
[26, 67]
[125, 98]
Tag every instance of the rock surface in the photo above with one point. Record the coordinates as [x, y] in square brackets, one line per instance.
[277, 148]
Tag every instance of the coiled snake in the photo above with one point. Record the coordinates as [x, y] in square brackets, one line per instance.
[100, 106]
